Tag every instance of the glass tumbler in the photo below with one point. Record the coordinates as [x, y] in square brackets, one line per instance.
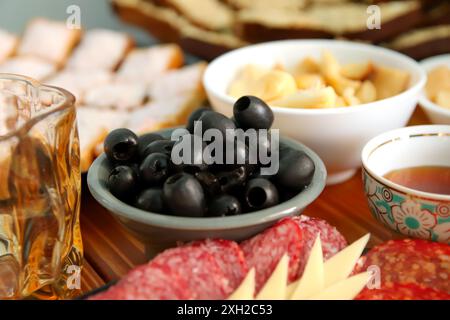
[40, 243]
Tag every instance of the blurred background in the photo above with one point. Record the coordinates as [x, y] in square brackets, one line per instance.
[207, 28]
[14, 15]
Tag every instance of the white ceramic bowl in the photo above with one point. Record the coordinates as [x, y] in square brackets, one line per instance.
[435, 113]
[411, 212]
[339, 134]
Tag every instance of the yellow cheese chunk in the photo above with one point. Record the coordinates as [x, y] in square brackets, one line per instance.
[339, 267]
[308, 98]
[312, 281]
[275, 287]
[346, 289]
[246, 290]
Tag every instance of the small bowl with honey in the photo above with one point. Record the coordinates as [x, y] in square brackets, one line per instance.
[406, 175]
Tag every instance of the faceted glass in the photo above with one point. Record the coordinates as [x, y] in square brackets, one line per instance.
[40, 243]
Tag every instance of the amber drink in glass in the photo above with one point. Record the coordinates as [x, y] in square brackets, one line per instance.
[40, 244]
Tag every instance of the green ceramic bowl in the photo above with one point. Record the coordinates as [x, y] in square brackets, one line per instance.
[159, 231]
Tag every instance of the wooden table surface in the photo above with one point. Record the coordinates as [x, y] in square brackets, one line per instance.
[110, 251]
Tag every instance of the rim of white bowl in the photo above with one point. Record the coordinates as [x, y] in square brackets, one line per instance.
[412, 64]
[427, 65]
[428, 104]
[403, 133]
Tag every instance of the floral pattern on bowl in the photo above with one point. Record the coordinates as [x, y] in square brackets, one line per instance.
[411, 215]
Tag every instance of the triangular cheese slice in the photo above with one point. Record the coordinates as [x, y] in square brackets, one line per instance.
[275, 287]
[312, 281]
[340, 266]
[246, 290]
[347, 289]
[291, 288]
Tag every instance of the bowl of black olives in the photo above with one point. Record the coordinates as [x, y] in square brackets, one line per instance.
[219, 177]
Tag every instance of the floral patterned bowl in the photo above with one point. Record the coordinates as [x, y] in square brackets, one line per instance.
[411, 212]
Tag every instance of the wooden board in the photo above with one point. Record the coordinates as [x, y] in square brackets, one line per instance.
[110, 251]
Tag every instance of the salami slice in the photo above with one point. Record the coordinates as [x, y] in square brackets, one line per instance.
[332, 240]
[230, 258]
[198, 267]
[397, 291]
[414, 261]
[264, 250]
[148, 283]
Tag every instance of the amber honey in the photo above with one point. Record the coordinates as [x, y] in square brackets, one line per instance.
[433, 179]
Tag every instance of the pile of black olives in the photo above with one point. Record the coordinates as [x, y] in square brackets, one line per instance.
[144, 175]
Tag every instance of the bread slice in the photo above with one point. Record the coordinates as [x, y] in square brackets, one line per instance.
[328, 20]
[259, 25]
[49, 40]
[145, 65]
[174, 96]
[206, 14]
[101, 49]
[162, 22]
[187, 80]
[169, 26]
[437, 13]
[423, 43]
[117, 95]
[267, 4]
[8, 45]
[397, 17]
[78, 82]
[208, 44]
[93, 126]
[160, 114]
[30, 66]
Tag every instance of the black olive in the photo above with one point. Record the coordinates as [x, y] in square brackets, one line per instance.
[261, 193]
[160, 146]
[214, 120]
[151, 200]
[296, 170]
[121, 145]
[229, 180]
[194, 162]
[195, 115]
[224, 205]
[235, 154]
[154, 169]
[184, 195]
[123, 182]
[258, 174]
[209, 182]
[145, 140]
[264, 144]
[284, 149]
[252, 112]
